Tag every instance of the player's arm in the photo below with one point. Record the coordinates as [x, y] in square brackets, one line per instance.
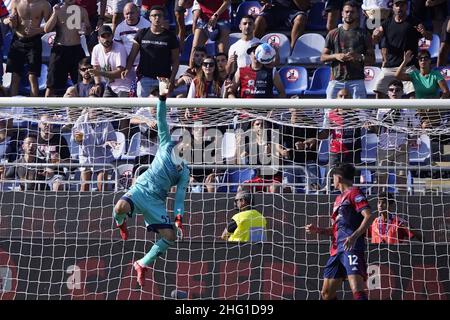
[228, 231]
[161, 113]
[364, 226]
[313, 229]
[180, 195]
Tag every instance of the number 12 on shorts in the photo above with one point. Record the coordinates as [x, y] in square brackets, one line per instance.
[352, 259]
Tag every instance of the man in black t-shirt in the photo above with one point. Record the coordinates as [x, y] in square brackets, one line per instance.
[26, 170]
[398, 34]
[300, 149]
[159, 49]
[52, 148]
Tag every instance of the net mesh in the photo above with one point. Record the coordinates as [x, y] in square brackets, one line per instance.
[63, 244]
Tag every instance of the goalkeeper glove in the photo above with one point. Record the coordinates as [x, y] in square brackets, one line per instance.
[179, 225]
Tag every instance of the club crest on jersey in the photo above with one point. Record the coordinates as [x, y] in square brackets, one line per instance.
[359, 198]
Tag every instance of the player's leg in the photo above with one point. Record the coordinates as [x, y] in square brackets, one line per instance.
[157, 220]
[330, 287]
[333, 275]
[358, 286]
[355, 266]
[167, 240]
[123, 207]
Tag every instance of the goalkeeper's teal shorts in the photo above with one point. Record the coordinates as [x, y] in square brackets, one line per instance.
[151, 207]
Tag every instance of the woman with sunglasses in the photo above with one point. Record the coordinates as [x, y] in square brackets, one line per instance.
[206, 84]
[427, 82]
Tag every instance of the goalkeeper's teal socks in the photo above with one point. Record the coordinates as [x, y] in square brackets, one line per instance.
[119, 217]
[158, 249]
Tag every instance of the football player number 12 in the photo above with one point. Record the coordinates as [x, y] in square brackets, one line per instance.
[352, 259]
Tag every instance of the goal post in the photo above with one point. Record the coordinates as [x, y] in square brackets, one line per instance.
[60, 243]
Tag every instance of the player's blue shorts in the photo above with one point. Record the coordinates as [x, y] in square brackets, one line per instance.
[151, 207]
[346, 263]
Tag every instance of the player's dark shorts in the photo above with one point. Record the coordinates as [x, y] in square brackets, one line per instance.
[279, 16]
[25, 51]
[332, 5]
[346, 263]
[63, 60]
[152, 208]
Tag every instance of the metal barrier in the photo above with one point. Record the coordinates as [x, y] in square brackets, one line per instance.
[305, 184]
[69, 166]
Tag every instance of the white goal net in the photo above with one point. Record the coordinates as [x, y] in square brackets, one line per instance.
[63, 167]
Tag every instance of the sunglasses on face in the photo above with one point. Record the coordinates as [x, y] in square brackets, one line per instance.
[423, 58]
[208, 64]
[395, 89]
[85, 69]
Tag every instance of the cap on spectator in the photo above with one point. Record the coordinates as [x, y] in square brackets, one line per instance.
[253, 47]
[405, 1]
[104, 29]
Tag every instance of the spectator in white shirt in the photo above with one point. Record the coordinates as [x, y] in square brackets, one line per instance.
[393, 144]
[109, 59]
[238, 51]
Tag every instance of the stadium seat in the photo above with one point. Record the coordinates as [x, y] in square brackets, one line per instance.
[370, 79]
[295, 79]
[74, 147]
[120, 149]
[47, 44]
[234, 37]
[307, 49]
[188, 17]
[316, 20]
[422, 153]
[237, 177]
[281, 41]
[7, 38]
[319, 82]
[296, 176]
[252, 8]
[378, 55]
[182, 89]
[229, 146]
[211, 48]
[133, 148]
[432, 46]
[125, 176]
[184, 57]
[445, 71]
[323, 152]
[369, 144]
[6, 77]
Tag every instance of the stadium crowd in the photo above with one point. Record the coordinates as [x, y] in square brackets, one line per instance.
[217, 49]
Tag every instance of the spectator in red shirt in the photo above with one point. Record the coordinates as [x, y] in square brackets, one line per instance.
[214, 15]
[345, 141]
[389, 227]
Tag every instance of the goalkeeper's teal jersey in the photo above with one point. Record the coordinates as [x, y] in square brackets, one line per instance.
[163, 173]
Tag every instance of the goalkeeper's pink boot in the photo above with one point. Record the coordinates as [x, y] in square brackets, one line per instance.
[140, 273]
[123, 230]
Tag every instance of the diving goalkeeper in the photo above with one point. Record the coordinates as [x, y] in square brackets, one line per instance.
[148, 195]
